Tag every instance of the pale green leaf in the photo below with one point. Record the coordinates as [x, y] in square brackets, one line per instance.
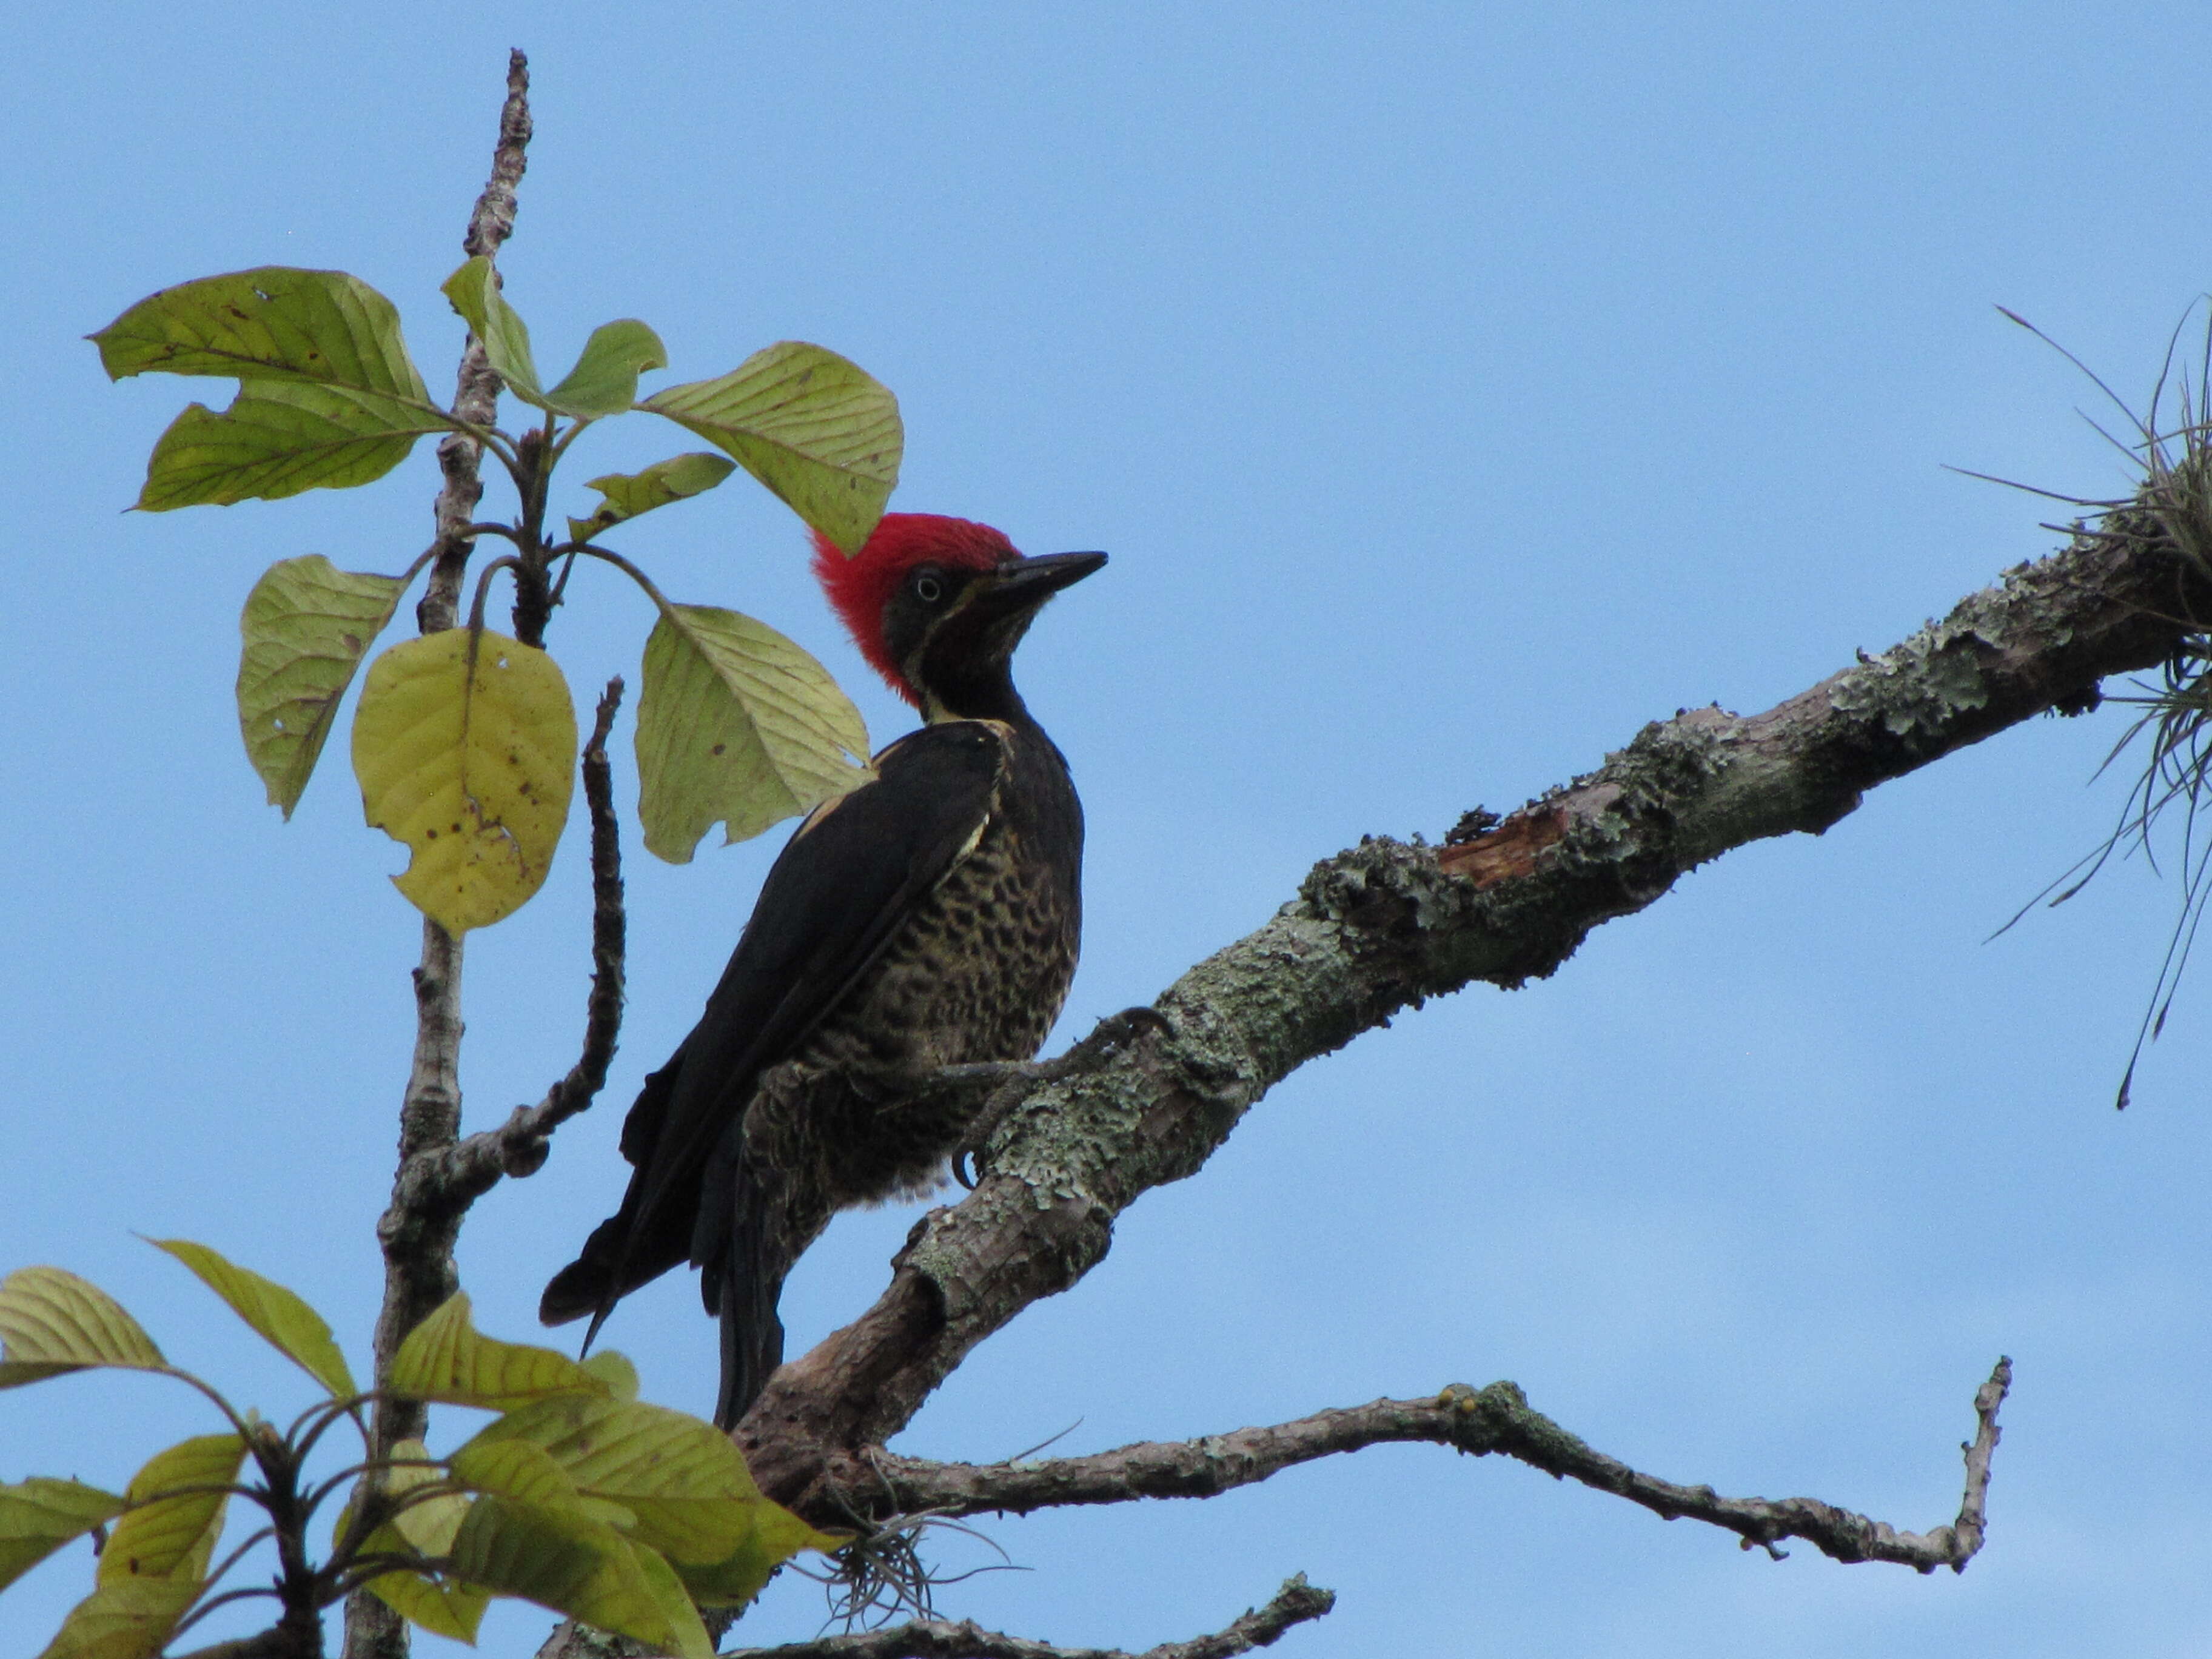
[173, 1536]
[445, 1359]
[305, 629]
[604, 379]
[452, 1610]
[735, 723]
[578, 1566]
[774, 1535]
[465, 749]
[626, 495]
[39, 1516]
[614, 1368]
[273, 323]
[427, 1523]
[281, 1318]
[474, 290]
[131, 1619]
[277, 438]
[819, 430]
[52, 1317]
[679, 1615]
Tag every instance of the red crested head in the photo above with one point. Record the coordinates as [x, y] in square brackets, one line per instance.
[860, 588]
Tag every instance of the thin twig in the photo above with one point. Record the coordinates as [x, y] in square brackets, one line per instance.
[1296, 1603]
[1497, 1419]
[519, 1146]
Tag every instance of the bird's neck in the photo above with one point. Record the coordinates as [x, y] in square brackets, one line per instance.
[987, 694]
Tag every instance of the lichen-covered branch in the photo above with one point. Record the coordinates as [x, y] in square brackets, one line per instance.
[1497, 1420]
[1296, 1603]
[418, 1244]
[1378, 928]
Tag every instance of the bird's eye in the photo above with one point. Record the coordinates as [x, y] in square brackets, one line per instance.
[928, 586]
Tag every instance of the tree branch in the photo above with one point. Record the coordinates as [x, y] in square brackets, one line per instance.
[1379, 928]
[519, 1146]
[418, 1244]
[1496, 1420]
[475, 394]
[277, 1642]
[1296, 1603]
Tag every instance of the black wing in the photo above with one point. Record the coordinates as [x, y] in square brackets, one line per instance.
[834, 899]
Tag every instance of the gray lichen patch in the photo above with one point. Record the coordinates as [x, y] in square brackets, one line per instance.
[1921, 687]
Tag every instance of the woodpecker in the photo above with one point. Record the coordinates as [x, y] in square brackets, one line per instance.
[929, 918]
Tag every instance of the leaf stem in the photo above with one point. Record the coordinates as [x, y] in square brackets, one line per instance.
[505, 562]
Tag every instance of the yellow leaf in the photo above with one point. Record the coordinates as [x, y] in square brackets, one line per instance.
[613, 1368]
[467, 752]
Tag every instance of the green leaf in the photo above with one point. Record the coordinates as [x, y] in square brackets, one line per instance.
[580, 1567]
[474, 290]
[128, 1620]
[16, 1375]
[280, 1317]
[735, 723]
[679, 1483]
[604, 379]
[39, 1516]
[681, 1479]
[775, 1535]
[424, 1529]
[445, 1359]
[467, 751]
[173, 1536]
[52, 1318]
[629, 494]
[305, 629]
[452, 1610]
[277, 440]
[328, 395]
[817, 430]
[273, 323]
[513, 1469]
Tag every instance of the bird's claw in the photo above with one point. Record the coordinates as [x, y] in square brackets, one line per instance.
[1112, 1033]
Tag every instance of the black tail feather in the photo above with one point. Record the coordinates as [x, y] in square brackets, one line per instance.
[744, 1286]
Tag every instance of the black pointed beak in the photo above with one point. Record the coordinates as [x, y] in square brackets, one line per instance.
[1025, 586]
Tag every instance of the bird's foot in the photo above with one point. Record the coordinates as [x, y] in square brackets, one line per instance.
[1011, 1081]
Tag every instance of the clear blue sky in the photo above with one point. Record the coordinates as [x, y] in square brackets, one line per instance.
[1456, 388]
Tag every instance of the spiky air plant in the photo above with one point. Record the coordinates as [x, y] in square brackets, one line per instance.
[2171, 736]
